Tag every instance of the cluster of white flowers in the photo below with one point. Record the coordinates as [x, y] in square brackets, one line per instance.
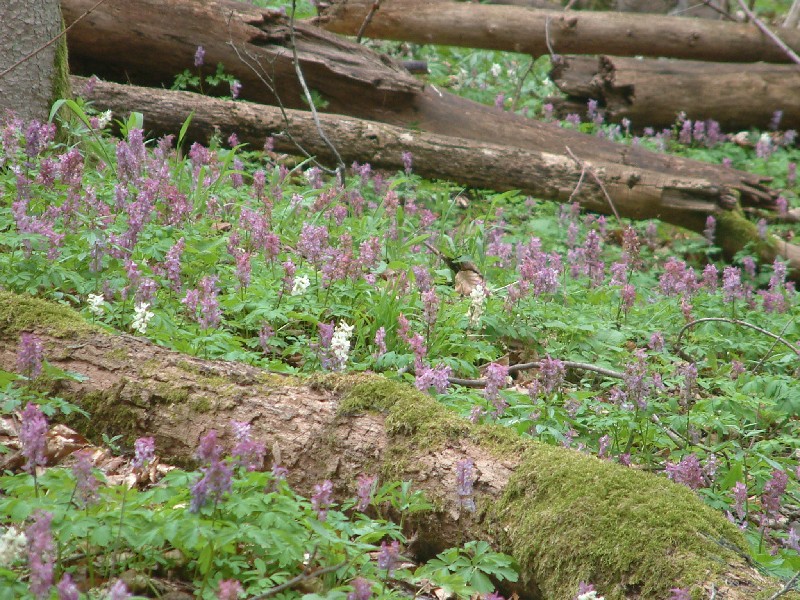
[300, 285]
[96, 304]
[141, 317]
[590, 596]
[104, 119]
[477, 303]
[12, 546]
[340, 343]
[496, 70]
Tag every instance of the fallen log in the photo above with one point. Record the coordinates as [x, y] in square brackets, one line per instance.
[651, 92]
[566, 517]
[635, 193]
[148, 41]
[527, 30]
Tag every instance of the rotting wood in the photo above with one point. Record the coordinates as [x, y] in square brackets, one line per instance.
[521, 29]
[651, 92]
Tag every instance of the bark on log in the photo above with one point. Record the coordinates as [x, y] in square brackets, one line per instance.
[149, 42]
[566, 517]
[651, 92]
[163, 38]
[635, 193]
[519, 29]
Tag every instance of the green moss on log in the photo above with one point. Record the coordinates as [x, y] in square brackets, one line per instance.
[567, 517]
[20, 313]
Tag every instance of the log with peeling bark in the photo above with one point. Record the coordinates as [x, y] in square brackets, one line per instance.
[527, 30]
[635, 193]
[148, 41]
[566, 517]
[651, 92]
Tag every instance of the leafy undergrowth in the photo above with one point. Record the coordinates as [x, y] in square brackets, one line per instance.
[567, 328]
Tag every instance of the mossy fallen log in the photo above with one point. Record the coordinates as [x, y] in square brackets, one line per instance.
[566, 517]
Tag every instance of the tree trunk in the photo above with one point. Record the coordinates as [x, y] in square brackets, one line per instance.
[518, 29]
[566, 517]
[32, 75]
[651, 92]
[635, 193]
[147, 42]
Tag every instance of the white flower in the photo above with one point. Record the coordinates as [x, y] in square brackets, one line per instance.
[496, 70]
[340, 343]
[478, 302]
[141, 317]
[590, 596]
[13, 544]
[96, 304]
[104, 119]
[300, 285]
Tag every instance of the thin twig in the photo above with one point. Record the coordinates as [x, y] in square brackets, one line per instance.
[518, 91]
[367, 20]
[786, 588]
[340, 170]
[49, 42]
[481, 383]
[304, 576]
[266, 80]
[547, 38]
[768, 32]
[757, 368]
[691, 324]
[591, 172]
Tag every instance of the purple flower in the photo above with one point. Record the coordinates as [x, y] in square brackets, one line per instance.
[199, 56]
[86, 483]
[119, 591]
[216, 475]
[265, 334]
[313, 243]
[362, 589]
[464, 478]
[144, 452]
[791, 173]
[210, 313]
[236, 87]
[740, 499]
[656, 342]
[737, 368]
[432, 377]
[637, 384]
[604, 443]
[775, 121]
[29, 355]
[680, 594]
[732, 284]
[229, 589]
[247, 453]
[430, 307]
[66, 588]
[407, 162]
[33, 438]
[365, 486]
[496, 375]
[380, 341]
[677, 278]
[388, 556]
[689, 373]
[41, 552]
[321, 499]
[687, 472]
[710, 277]
[710, 230]
[627, 297]
[773, 490]
[551, 374]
